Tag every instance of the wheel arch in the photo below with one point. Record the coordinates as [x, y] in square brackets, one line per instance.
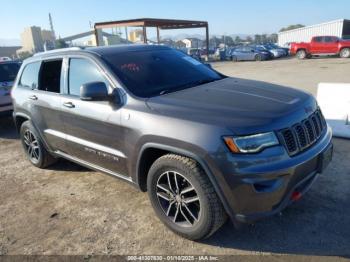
[19, 119]
[142, 168]
[344, 47]
[302, 49]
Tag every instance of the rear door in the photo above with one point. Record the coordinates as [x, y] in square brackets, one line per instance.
[46, 101]
[38, 95]
[239, 53]
[330, 44]
[93, 132]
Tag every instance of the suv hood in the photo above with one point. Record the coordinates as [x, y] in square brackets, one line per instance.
[244, 106]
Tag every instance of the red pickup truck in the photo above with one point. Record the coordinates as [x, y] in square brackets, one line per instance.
[321, 45]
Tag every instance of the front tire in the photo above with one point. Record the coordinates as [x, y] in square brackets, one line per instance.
[184, 198]
[345, 53]
[301, 54]
[33, 147]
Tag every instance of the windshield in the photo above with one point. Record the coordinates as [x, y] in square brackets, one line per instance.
[156, 72]
[8, 72]
[260, 48]
[273, 46]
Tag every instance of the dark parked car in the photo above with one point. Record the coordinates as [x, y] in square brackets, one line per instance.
[276, 52]
[248, 53]
[274, 46]
[8, 73]
[203, 145]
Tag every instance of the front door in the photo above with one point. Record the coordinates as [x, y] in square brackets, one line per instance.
[316, 46]
[330, 45]
[93, 132]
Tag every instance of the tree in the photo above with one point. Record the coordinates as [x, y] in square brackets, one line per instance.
[61, 44]
[180, 44]
[214, 41]
[291, 27]
[249, 39]
[238, 40]
[228, 40]
[24, 55]
[257, 39]
[273, 38]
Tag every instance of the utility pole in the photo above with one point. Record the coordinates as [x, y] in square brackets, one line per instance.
[51, 26]
[52, 31]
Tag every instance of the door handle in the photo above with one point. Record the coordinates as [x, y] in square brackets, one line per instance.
[33, 97]
[69, 104]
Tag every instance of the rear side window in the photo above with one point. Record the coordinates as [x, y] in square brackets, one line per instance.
[50, 76]
[318, 39]
[329, 39]
[82, 71]
[30, 75]
[8, 72]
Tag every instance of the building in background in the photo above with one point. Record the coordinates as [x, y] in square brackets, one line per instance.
[193, 42]
[339, 28]
[136, 36]
[36, 40]
[48, 38]
[9, 51]
[31, 39]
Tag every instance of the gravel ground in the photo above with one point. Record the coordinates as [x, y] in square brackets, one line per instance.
[68, 209]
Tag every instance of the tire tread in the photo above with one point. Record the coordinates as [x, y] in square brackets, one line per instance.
[217, 213]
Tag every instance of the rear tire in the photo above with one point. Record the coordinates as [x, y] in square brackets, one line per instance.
[301, 54]
[258, 58]
[34, 147]
[173, 181]
[345, 53]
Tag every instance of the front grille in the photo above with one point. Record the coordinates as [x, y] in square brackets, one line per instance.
[303, 135]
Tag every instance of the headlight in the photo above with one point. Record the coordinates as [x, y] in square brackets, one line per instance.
[252, 143]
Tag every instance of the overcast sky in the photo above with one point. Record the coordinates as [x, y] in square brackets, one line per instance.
[224, 16]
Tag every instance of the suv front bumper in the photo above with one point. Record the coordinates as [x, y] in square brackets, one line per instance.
[261, 185]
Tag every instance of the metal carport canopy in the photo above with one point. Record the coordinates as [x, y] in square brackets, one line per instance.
[165, 24]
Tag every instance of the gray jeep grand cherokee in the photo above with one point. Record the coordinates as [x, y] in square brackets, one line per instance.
[203, 145]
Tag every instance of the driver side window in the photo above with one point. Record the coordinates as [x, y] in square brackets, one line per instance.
[82, 71]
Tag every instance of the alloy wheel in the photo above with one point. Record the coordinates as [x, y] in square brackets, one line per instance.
[32, 146]
[345, 53]
[178, 199]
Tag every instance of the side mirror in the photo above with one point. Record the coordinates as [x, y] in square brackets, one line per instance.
[94, 91]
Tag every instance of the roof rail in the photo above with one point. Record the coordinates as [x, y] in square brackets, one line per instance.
[75, 48]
